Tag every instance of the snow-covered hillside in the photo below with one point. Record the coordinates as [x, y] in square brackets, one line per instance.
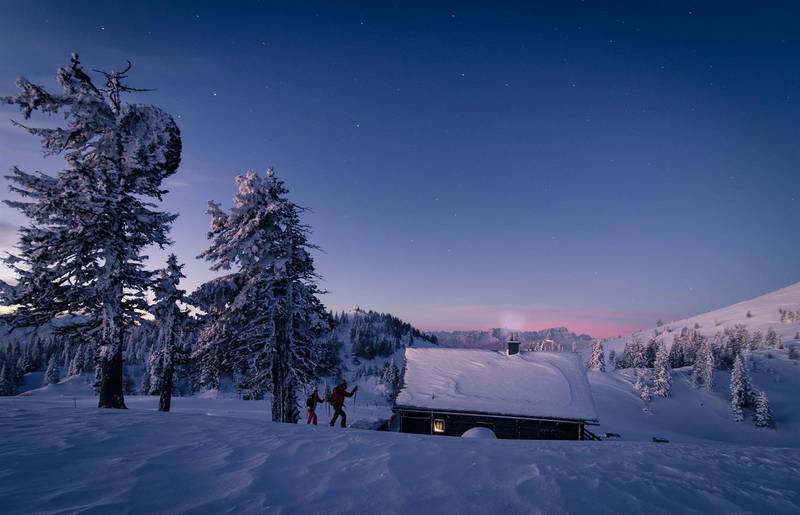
[211, 456]
[369, 343]
[691, 415]
[758, 314]
[763, 330]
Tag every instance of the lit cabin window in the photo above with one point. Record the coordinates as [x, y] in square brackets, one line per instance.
[438, 425]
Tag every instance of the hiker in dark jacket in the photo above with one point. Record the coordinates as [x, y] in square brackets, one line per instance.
[311, 404]
[337, 399]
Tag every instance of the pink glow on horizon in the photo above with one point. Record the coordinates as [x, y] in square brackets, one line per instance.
[596, 330]
[596, 322]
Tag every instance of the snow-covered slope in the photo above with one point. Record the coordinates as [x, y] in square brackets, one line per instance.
[758, 314]
[692, 415]
[368, 341]
[698, 415]
[212, 459]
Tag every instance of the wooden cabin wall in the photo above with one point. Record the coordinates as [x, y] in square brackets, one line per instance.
[509, 428]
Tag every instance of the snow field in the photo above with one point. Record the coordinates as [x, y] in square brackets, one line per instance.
[54, 457]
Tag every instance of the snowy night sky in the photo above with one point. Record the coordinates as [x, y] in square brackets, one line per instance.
[470, 166]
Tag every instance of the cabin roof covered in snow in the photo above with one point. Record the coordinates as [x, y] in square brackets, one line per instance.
[528, 384]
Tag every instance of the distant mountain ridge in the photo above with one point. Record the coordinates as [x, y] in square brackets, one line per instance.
[554, 338]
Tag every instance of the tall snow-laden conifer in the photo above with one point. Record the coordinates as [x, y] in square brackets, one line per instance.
[76, 365]
[390, 378]
[7, 386]
[264, 317]
[642, 386]
[741, 390]
[171, 320]
[635, 353]
[704, 364]
[772, 340]
[662, 372]
[52, 375]
[82, 249]
[763, 414]
[597, 360]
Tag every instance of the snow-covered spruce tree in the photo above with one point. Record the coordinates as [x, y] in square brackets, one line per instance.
[736, 407]
[597, 360]
[771, 340]
[644, 394]
[662, 372]
[639, 384]
[638, 358]
[763, 414]
[741, 386]
[703, 366]
[756, 340]
[25, 363]
[82, 249]
[66, 356]
[650, 352]
[171, 320]
[52, 375]
[89, 357]
[76, 365]
[633, 355]
[144, 386]
[693, 340]
[676, 358]
[265, 316]
[7, 385]
[151, 379]
[643, 387]
[390, 379]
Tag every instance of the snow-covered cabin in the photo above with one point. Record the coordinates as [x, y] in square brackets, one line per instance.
[527, 395]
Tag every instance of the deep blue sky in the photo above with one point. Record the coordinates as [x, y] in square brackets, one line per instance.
[468, 166]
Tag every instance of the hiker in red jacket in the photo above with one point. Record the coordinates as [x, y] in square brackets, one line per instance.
[311, 404]
[337, 399]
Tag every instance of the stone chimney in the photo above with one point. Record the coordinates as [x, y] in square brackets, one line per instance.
[513, 344]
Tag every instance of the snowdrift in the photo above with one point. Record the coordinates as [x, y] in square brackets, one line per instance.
[56, 458]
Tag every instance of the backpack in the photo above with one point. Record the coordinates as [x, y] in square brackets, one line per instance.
[308, 402]
[337, 397]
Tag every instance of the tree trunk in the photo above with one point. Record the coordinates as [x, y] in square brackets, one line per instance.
[283, 399]
[165, 400]
[111, 381]
[279, 371]
[111, 376]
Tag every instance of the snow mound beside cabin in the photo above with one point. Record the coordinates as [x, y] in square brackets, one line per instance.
[481, 433]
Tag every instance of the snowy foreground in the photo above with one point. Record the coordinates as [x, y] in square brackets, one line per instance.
[215, 456]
